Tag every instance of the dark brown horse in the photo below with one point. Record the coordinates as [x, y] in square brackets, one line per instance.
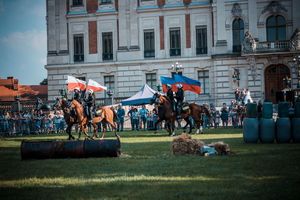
[165, 112]
[195, 111]
[106, 115]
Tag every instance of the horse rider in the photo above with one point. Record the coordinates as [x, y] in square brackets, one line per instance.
[89, 104]
[170, 95]
[179, 98]
[77, 94]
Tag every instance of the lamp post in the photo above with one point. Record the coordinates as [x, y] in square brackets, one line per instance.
[110, 93]
[176, 67]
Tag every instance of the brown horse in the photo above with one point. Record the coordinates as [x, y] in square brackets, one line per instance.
[165, 112]
[81, 119]
[106, 115]
[195, 111]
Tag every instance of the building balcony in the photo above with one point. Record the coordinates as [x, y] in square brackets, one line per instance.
[251, 46]
[267, 47]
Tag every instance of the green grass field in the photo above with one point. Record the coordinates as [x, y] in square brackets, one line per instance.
[148, 170]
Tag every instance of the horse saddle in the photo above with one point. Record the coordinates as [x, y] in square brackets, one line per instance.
[185, 106]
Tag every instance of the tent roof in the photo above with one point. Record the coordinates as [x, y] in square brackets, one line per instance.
[144, 96]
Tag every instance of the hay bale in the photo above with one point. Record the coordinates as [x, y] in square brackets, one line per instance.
[221, 147]
[184, 144]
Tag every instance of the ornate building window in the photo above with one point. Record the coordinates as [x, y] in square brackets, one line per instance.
[203, 77]
[151, 80]
[149, 49]
[201, 40]
[237, 34]
[107, 46]
[276, 28]
[175, 44]
[109, 82]
[78, 48]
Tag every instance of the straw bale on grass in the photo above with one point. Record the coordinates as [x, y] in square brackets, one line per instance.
[184, 144]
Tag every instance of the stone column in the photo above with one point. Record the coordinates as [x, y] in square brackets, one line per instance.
[63, 31]
[123, 36]
[221, 44]
[252, 12]
[51, 26]
[296, 14]
[134, 36]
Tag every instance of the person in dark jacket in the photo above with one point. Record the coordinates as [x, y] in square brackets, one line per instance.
[77, 94]
[179, 98]
[90, 104]
[170, 95]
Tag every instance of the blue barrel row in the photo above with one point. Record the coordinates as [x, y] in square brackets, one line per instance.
[267, 110]
[266, 130]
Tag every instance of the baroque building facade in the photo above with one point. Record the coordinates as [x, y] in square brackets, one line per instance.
[226, 44]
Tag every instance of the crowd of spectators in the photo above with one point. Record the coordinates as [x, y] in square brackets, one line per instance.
[34, 122]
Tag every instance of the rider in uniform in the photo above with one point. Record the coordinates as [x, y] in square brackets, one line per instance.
[77, 94]
[170, 95]
[179, 98]
[90, 104]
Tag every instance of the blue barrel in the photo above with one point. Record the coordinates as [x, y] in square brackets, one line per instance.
[250, 130]
[297, 110]
[283, 109]
[283, 130]
[296, 129]
[267, 111]
[267, 130]
[251, 110]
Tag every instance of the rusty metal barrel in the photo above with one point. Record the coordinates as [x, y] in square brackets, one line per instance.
[33, 149]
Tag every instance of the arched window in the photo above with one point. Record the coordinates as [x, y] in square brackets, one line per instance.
[276, 28]
[237, 34]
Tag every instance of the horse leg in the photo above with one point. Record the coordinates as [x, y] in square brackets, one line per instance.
[155, 125]
[95, 130]
[115, 130]
[69, 131]
[198, 126]
[188, 122]
[172, 127]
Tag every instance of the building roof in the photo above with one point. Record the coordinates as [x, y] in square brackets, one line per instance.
[25, 92]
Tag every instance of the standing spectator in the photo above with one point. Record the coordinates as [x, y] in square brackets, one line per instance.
[56, 121]
[143, 115]
[218, 116]
[237, 94]
[130, 114]
[121, 115]
[135, 119]
[224, 115]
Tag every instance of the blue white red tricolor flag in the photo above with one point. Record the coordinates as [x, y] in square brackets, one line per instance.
[188, 84]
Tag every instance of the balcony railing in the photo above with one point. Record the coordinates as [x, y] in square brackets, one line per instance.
[79, 58]
[265, 47]
[149, 53]
[107, 56]
[175, 52]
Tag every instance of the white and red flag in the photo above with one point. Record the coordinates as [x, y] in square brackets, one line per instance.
[96, 87]
[73, 83]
